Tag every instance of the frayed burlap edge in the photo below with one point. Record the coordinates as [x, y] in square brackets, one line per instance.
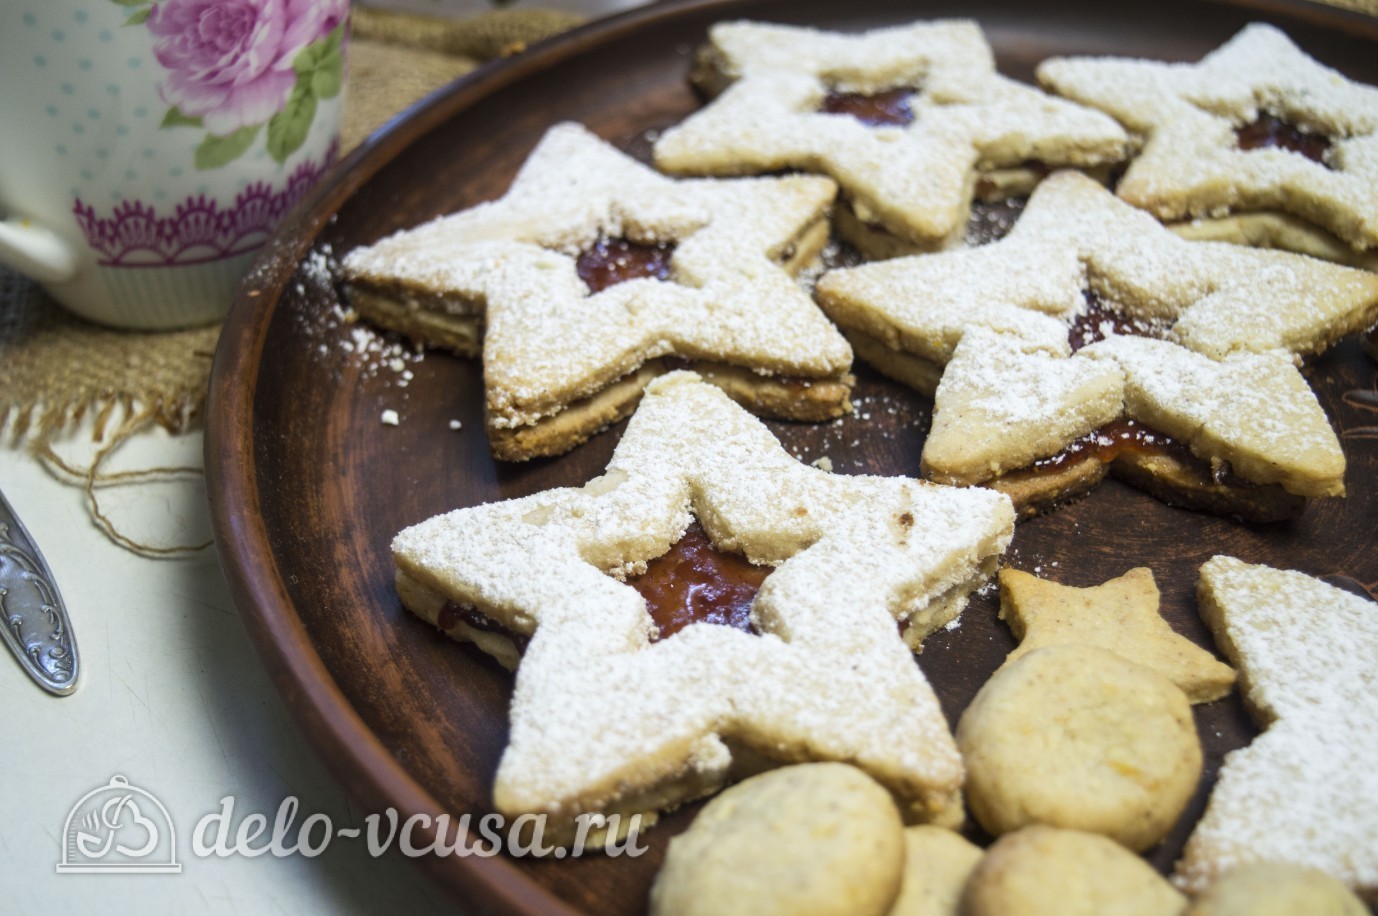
[44, 422]
[49, 384]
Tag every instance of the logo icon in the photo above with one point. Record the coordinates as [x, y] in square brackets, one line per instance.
[119, 829]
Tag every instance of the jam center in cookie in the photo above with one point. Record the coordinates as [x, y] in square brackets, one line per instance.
[452, 614]
[1099, 320]
[697, 583]
[613, 261]
[1096, 322]
[1272, 132]
[1107, 442]
[890, 108]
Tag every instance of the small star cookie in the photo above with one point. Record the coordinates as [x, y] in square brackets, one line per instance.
[606, 717]
[1257, 136]
[1120, 615]
[1305, 792]
[594, 274]
[904, 118]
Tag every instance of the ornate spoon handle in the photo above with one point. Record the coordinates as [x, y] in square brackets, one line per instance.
[35, 624]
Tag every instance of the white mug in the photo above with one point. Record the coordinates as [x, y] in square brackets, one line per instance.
[147, 149]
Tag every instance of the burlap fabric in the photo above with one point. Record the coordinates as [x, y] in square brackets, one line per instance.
[59, 373]
[57, 370]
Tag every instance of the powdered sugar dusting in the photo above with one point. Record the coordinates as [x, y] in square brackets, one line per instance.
[1191, 164]
[548, 342]
[829, 679]
[916, 181]
[1074, 235]
[1253, 410]
[338, 334]
[1004, 402]
[1222, 384]
[1306, 790]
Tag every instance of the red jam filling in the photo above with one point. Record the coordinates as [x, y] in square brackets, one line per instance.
[613, 261]
[1110, 440]
[1270, 132]
[1099, 320]
[452, 614]
[890, 108]
[697, 583]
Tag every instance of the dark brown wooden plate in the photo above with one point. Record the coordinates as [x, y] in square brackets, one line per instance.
[308, 486]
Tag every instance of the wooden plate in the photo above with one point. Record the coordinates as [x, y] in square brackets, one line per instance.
[308, 486]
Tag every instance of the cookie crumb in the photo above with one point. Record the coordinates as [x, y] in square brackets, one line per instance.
[823, 463]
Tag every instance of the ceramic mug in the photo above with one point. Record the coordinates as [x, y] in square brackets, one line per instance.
[147, 149]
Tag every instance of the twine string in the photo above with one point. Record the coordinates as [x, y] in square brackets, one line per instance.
[92, 479]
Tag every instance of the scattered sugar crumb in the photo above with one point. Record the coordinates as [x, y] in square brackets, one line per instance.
[455, 424]
[389, 417]
[340, 330]
[823, 463]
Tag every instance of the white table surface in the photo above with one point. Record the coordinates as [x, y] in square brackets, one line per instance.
[173, 697]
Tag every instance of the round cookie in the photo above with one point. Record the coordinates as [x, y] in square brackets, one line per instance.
[819, 838]
[937, 863]
[1276, 889]
[1078, 737]
[1046, 871]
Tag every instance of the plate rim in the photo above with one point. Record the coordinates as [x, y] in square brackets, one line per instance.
[350, 749]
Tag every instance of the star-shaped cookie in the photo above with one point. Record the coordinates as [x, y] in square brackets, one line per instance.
[565, 355]
[912, 182]
[988, 331]
[1194, 121]
[1121, 616]
[605, 717]
[1305, 792]
[1075, 237]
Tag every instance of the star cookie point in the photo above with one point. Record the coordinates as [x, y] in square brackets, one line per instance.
[1120, 615]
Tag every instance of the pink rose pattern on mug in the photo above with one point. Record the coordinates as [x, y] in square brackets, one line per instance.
[235, 70]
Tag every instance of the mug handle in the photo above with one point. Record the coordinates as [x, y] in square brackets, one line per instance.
[35, 251]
